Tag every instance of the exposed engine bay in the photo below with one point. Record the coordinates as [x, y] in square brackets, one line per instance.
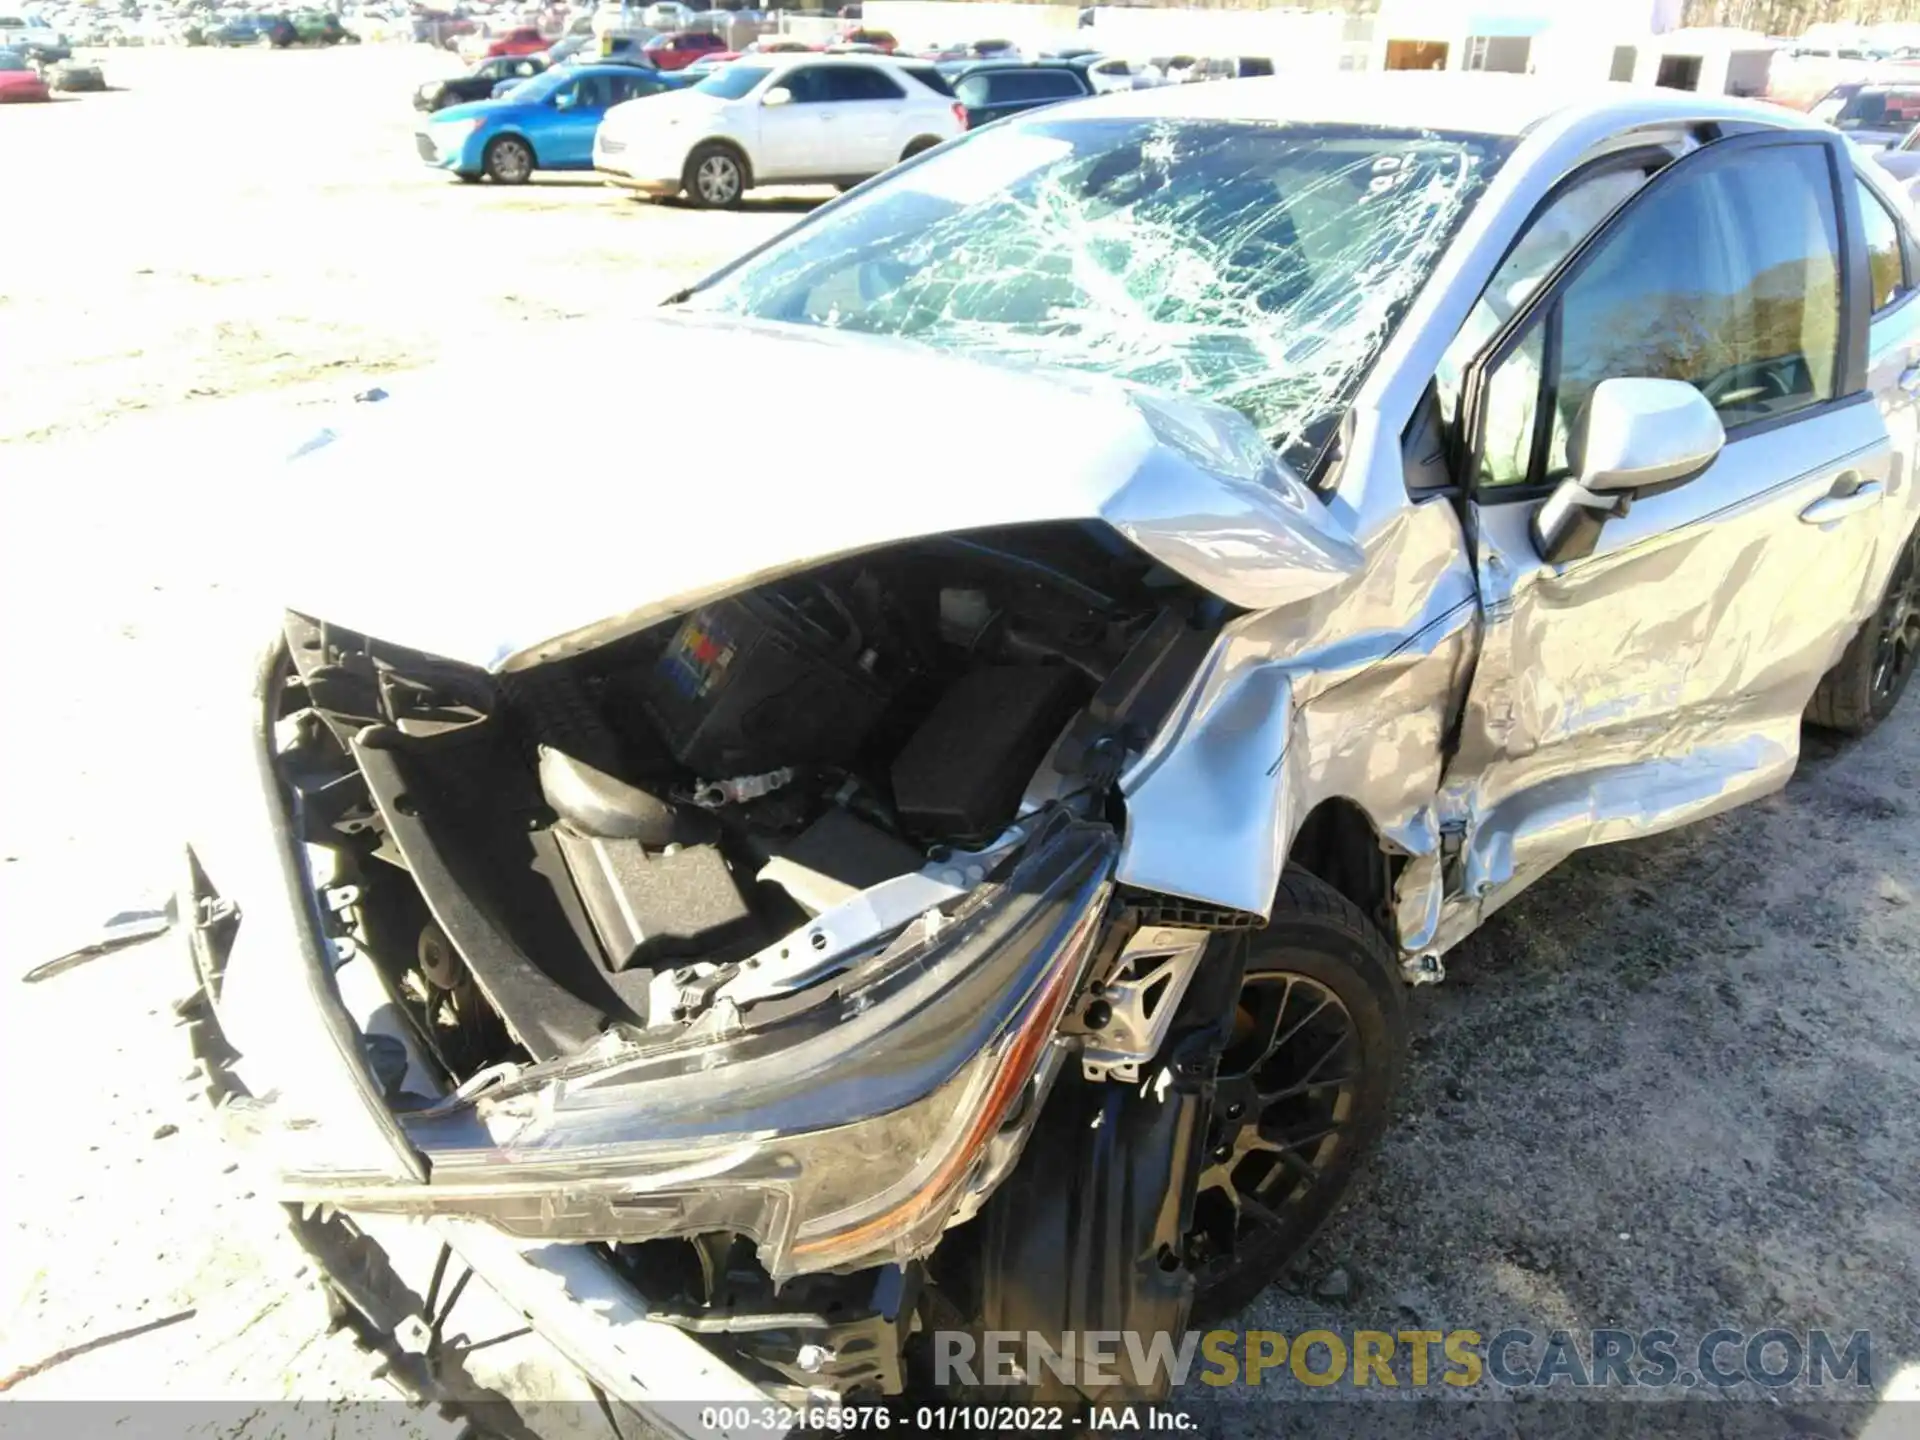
[725, 809]
[661, 879]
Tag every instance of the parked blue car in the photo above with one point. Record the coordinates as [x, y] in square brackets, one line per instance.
[545, 124]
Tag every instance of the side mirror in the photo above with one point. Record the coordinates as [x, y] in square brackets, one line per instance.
[779, 95]
[1640, 434]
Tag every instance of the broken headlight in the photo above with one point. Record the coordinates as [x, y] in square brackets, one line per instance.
[841, 1131]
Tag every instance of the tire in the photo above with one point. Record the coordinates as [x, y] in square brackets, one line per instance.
[508, 161]
[706, 177]
[1863, 688]
[1323, 987]
[918, 146]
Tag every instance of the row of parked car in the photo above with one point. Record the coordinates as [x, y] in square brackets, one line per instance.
[1882, 117]
[34, 64]
[781, 113]
[280, 30]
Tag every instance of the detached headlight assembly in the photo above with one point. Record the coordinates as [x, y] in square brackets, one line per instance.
[844, 1133]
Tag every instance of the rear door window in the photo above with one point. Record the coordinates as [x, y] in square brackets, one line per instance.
[1015, 85]
[929, 76]
[809, 85]
[861, 82]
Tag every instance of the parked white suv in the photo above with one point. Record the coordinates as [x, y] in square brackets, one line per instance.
[777, 120]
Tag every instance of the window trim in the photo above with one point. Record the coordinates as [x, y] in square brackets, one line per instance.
[1850, 360]
[1909, 274]
[1460, 442]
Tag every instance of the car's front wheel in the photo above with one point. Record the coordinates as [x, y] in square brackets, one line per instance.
[1319, 1036]
[715, 177]
[509, 161]
[1861, 691]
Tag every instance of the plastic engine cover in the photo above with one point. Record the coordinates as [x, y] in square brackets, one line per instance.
[962, 774]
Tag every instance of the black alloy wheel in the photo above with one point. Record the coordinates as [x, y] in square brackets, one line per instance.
[1304, 1084]
[1897, 641]
[1863, 688]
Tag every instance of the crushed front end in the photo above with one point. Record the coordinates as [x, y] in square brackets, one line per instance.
[746, 950]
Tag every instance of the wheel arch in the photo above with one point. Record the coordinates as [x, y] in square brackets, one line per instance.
[729, 143]
[1338, 844]
[511, 134]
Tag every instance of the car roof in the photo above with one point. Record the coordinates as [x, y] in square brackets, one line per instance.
[602, 68]
[1479, 103]
[967, 67]
[786, 60]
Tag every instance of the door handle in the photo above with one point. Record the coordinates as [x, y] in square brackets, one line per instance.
[1910, 380]
[1837, 505]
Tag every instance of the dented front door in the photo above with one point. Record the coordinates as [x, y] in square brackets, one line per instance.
[1661, 678]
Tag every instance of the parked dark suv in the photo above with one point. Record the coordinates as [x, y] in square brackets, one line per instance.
[995, 88]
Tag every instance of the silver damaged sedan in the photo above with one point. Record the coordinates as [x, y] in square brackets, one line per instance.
[765, 909]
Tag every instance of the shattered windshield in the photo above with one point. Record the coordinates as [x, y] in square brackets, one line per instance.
[1260, 265]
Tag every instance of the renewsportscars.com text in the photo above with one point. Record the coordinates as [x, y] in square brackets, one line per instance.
[1413, 1359]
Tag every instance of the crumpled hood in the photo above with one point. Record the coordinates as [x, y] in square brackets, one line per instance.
[548, 497]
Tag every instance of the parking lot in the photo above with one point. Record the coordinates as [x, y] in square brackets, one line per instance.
[1672, 1086]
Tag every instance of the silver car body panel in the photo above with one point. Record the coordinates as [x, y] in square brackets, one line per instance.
[1214, 807]
[682, 520]
[1658, 681]
[1345, 697]
[1367, 610]
[1661, 679]
[1488, 713]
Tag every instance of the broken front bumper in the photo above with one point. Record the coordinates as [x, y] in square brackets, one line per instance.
[847, 1128]
[570, 1296]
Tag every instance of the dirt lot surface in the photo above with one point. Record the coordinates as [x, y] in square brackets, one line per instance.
[1672, 1087]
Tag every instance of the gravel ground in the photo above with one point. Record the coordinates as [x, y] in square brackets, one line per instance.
[1672, 1086]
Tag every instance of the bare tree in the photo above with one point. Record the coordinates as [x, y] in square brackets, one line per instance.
[1791, 17]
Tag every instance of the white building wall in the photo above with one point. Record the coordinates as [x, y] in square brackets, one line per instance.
[917, 24]
[1297, 41]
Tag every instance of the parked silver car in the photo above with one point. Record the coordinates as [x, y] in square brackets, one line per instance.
[1875, 116]
[765, 912]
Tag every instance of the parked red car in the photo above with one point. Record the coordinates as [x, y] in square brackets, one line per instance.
[19, 80]
[526, 41]
[676, 52]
